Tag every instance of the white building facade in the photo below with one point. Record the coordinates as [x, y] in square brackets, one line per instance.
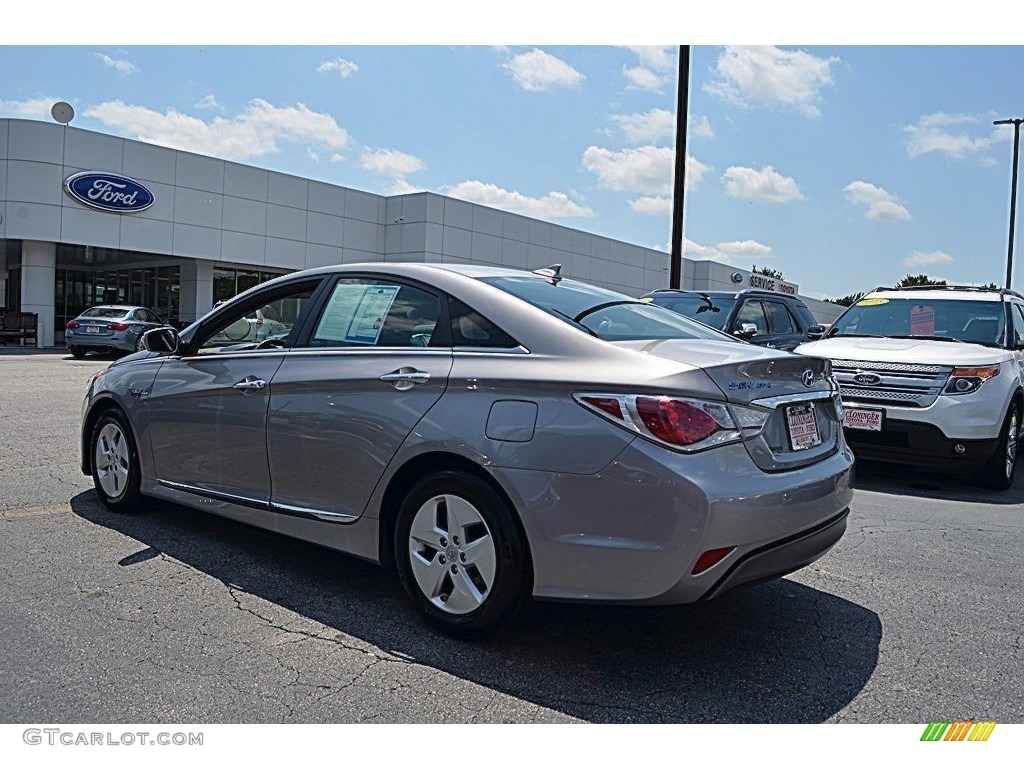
[216, 227]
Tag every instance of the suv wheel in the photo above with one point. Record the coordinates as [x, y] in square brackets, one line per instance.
[999, 471]
[461, 555]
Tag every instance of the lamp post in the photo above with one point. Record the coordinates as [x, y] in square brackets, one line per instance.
[1013, 191]
[675, 270]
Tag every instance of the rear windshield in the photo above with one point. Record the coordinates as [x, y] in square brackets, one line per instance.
[105, 312]
[710, 310]
[978, 322]
[606, 314]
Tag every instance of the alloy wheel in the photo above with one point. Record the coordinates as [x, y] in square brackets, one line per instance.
[112, 460]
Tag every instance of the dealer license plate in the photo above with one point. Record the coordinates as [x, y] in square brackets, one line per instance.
[803, 427]
[869, 419]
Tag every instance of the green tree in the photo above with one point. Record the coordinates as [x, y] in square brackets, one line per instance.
[768, 272]
[911, 280]
[848, 300]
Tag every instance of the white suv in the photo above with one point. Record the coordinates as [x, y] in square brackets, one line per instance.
[932, 376]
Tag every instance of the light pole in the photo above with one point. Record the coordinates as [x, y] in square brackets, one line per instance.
[675, 268]
[1013, 191]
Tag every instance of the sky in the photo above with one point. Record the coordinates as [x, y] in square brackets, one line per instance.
[843, 166]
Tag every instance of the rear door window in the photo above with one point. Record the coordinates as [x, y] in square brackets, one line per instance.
[377, 312]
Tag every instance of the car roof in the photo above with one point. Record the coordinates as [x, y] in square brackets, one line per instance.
[723, 294]
[119, 307]
[938, 294]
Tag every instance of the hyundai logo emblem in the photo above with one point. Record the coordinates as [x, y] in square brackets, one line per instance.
[867, 378]
[736, 277]
[807, 377]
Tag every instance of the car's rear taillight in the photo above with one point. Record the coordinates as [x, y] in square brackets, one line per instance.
[681, 423]
[72, 325]
[117, 327]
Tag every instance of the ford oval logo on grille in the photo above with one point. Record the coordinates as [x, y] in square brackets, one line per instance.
[109, 192]
[807, 377]
[867, 378]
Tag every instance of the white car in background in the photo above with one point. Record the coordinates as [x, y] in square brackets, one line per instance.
[932, 376]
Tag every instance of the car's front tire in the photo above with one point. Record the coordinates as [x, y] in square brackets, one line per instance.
[999, 471]
[462, 556]
[116, 472]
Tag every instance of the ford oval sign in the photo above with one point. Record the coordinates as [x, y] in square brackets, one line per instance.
[109, 192]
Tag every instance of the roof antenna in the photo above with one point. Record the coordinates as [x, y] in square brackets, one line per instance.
[552, 273]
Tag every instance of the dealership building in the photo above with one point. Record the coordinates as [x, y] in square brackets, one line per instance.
[87, 218]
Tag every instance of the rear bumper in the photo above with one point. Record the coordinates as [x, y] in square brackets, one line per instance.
[782, 557]
[919, 444]
[122, 342]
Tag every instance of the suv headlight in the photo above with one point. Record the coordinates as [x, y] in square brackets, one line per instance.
[963, 381]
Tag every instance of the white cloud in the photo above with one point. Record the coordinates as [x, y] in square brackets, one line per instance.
[312, 155]
[643, 78]
[767, 76]
[554, 205]
[641, 127]
[658, 57]
[653, 206]
[738, 253]
[647, 169]
[337, 158]
[256, 131]
[209, 101]
[390, 162]
[540, 71]
[700, 128]
[123, 66]
[943, 133]
[766, 185]
[343, 67]
[927, 259]
[879, 203]
[34, 109]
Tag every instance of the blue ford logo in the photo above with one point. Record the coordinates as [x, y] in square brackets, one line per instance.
[109, 192]
[867, 378]
[736, 277]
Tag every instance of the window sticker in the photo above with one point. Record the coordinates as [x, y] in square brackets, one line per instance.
[871, 302]
[369, 317]
[922, 321]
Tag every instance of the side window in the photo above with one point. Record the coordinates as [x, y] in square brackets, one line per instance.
[471, 329]
[370, 312]
[1018, 322]
[259, 323]
[779, 319]
[148, 316]
[752, 312]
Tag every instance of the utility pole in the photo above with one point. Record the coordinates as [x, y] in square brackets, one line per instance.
[675, 271]
[1013, 191]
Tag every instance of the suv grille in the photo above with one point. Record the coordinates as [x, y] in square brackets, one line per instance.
[904, 384]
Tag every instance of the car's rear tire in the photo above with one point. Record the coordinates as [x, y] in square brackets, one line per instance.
[77, 352]
[116, 472]
[998, 473]
[461, 555]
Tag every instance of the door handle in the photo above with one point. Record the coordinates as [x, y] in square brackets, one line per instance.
[250, 384]
[406, 378]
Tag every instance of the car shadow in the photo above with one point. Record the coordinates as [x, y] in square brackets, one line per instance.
[901, 480]
[778, 652]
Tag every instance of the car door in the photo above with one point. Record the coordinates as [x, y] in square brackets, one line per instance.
[344, 400]
[208, 406]
[783, 328]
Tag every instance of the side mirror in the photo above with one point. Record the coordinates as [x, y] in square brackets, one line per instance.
[746, 331]
[162, 340]
[816, 332]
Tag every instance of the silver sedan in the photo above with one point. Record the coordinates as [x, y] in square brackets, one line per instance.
[109, 328]
[494, 435]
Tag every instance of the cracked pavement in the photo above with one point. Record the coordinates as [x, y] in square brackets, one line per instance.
[174, 615]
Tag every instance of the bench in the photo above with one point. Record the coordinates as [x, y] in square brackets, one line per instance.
[19, 326]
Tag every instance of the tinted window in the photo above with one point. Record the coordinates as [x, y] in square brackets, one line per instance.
[623, 319]
[471, 329]
[104, 312]
[710, 310]
[779, 319]
[751, 312]
[366, 312]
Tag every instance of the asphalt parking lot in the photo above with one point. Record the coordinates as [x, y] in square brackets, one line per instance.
[173, 615]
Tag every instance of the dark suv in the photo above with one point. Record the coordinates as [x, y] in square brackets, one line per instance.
[762, 317]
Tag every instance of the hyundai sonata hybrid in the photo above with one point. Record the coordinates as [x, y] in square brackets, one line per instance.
[495, 435]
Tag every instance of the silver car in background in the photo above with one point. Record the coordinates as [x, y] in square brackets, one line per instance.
[109, 328]
[495, 435]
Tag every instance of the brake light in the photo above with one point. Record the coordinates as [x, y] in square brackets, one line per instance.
[72, 325]
[117, 327]
[676, 421]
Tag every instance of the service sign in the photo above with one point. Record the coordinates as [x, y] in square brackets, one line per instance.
[110, 192]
